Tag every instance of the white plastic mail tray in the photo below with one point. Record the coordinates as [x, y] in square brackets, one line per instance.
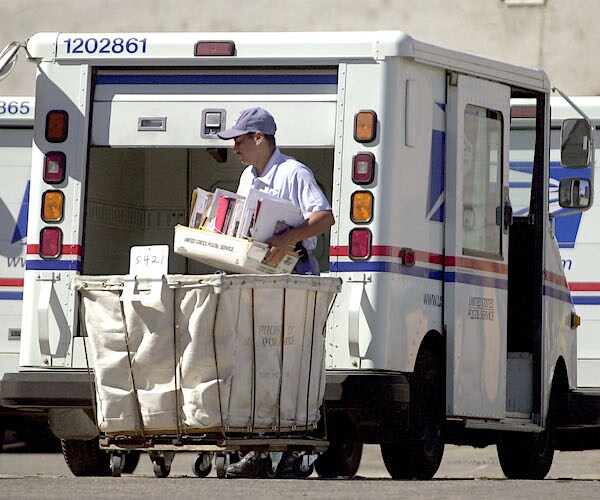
[227, 253]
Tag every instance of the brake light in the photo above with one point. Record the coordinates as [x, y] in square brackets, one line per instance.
[363, 168]
[57, 124]
[359, 246]
[52, 206]
[50, 242]
[362, 206]
[365, 126]
[215, 48]
[54, 167]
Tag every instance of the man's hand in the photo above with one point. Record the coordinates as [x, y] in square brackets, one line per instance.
[317, 223]
[280, 245]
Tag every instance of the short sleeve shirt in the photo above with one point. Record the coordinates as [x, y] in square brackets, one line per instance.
[287, 178]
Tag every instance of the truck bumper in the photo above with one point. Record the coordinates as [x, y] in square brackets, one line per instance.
[376, 402]
[47, 389]
[74, 389]
[366, 388]
[583, 408]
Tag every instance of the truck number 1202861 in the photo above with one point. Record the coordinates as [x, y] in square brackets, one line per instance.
[105, 45]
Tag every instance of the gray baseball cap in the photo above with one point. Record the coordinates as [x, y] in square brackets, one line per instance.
[248, 121]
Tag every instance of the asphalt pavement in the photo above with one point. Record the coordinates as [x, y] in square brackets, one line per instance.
[465, 473]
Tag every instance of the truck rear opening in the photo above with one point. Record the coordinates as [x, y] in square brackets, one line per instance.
[153, 140]
[136, 196]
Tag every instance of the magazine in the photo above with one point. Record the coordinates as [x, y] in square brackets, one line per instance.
[201, 200]
[272, 214]
[214, 207]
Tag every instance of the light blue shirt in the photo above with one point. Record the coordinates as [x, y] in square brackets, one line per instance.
[287, 178]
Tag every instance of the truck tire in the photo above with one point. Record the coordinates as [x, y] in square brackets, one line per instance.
[419, 454]
[85, 458]
[343, 455]
[529, 455]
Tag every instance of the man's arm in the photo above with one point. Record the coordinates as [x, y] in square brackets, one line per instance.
[317, 223]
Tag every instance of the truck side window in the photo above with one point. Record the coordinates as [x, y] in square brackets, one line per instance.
[482, 180]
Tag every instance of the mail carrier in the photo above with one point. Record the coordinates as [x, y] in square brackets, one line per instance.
[455, 323]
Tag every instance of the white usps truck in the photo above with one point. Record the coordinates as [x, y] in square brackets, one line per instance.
[455, 323]
[16, 132]
[575, 230]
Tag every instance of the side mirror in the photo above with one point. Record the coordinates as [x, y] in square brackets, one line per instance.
[8, 58]
[575, 193]
[575, 143]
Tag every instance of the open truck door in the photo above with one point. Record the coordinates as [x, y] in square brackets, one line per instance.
[476, 247]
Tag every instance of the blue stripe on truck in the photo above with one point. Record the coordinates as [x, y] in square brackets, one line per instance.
[53, 265]
[237, 79]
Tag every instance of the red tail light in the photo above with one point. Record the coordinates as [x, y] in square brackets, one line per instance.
[50, 243]
[359, 247]
[54, 167]
[363, 168]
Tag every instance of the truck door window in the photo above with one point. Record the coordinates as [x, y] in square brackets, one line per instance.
[482, 180]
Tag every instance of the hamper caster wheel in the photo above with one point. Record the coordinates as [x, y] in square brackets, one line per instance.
[117, 461]
[160, 468]
[203, 464]
[270, 467]
[302, 469]
[221, 463]
[161, 463]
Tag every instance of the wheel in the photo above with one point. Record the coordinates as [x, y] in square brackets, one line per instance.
[269, 469]
[221, 463]
[341, 459]
[223, 460]
[85, 458]
[301, 471]
[420, 453]
[527, 455]
[131, 461]
[161, 469]
[117, 461]
[202, 465]
[343, 455]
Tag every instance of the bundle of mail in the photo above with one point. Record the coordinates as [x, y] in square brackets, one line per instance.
[258, 216]
[229, 231]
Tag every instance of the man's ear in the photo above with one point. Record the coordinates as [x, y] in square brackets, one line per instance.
[259, 137]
